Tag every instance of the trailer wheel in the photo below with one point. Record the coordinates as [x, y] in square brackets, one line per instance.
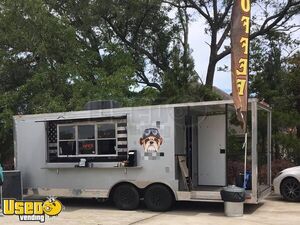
[158, 197]
[126, 197]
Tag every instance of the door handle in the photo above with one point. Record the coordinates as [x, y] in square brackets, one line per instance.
[222, 151]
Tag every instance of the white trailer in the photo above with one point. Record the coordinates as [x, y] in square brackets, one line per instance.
[182, 152]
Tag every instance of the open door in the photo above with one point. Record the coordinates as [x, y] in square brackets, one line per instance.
[211, 150]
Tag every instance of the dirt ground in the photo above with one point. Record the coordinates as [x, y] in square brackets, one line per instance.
[273, 211]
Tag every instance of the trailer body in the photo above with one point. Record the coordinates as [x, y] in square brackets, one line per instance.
[50, 148]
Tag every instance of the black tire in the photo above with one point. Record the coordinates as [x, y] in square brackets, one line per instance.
[158, 198]
[290, 189]
[126, 197]
[228, 196]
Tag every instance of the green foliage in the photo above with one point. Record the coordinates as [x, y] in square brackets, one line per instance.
[181, 84]
[45, 68]
[266, 16]
[58, 55]
[276, 80]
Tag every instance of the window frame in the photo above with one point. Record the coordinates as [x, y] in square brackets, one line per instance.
[95, 124]
[58, 140]
[78, 140]
[115, 138]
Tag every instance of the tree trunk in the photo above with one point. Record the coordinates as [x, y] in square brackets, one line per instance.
[211, 70]
[212, 58]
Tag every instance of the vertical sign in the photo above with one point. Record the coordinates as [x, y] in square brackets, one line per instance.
[240, 28]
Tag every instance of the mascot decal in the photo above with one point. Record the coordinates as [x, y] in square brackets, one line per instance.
[151, 142]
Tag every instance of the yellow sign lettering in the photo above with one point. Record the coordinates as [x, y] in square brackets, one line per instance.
[32, 210]
[19, 208]
[8, 207]
[243, 67]
[246, 23]
[38, 208]
[245, 4]
[241, 84]
[28, 208]
[245, 44]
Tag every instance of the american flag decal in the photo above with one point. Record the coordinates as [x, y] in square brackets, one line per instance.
[52, 133]
[122, 136]
[52, 139]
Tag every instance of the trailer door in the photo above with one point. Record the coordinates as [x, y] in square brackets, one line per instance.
[211, 150]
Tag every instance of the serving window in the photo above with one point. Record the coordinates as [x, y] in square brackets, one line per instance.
[87, 139]
[99, 140]
[106, 138]
[67, 140]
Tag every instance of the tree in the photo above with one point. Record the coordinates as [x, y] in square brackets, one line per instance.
[157, 43]
[45, 68]
[275, 79]
[57, 55]
[267, 15]
[149, 34]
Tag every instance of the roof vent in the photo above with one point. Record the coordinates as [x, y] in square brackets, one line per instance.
[106, 104]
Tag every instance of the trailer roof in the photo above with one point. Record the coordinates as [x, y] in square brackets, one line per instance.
[116, 112]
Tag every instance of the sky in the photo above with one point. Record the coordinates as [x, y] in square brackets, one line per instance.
[200, 53]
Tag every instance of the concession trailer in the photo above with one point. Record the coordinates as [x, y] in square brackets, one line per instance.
[158, 153]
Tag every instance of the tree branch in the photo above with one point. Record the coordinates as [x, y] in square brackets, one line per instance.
[145, 80]
[279, 16]
[226, 11]
[136, 47]
[205, 7]
[226, 52]
[224, 35]
[215, 9]
[202, 13]
[176, 5]
[264, 28]
[141, 21]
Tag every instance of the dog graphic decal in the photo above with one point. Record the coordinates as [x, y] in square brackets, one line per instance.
[151, 140]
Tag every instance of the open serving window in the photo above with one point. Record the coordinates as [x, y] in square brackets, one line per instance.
[98, 140]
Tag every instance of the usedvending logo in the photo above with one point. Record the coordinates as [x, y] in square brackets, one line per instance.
[32, 210]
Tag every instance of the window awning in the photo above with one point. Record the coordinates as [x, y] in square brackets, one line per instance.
[72, 119]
